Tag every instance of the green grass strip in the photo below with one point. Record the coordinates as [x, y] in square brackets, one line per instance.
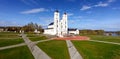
[55, 49]
[95, 50]
[16, 53]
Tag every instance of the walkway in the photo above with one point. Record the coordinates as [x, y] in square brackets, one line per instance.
[74, 54]
[43, 40]
[22, 44]
[35, 50]
[12, 46]
[105, 42]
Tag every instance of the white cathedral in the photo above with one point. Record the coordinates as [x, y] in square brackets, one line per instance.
[59, 27]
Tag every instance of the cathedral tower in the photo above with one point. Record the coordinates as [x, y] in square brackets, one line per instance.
[64, 24]
[60, 26]
[56, 22]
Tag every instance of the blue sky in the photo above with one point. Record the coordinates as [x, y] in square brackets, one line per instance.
[82, 14]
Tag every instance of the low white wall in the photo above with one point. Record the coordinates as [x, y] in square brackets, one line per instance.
[51, 26]
[49, 31]
[73, 32]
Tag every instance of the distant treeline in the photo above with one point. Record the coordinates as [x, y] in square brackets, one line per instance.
[11, 28]
[118, 32]
[30, 27]
[91, 32]
[97, 32]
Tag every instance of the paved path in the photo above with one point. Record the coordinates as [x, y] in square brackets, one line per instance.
[105, 42]
[74, 54]
[22, 44]
[35, 50]
[12, 46]
[43, 40]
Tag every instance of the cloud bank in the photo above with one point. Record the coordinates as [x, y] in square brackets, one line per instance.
[100, 4]
[37, 10]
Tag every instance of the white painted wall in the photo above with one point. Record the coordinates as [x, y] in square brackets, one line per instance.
[74, 32]
[1, 29]
[64, 24]
[49, 31]
[56, 22]
[60, 27]
[77, 32]
[51, 26]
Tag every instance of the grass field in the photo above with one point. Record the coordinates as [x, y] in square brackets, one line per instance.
[35, 37]
[8, 33]
[105, 38]
[16, 53]
[95, 50]
[55, 49]
[9, 38]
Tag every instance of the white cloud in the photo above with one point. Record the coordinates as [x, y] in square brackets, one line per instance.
[30, 2]
[34, 11]
[85, 7]
[25, 2]
[77, 17]
[70, 14]
[111, 1]
[100, 4]
[8, 23]
[71, 21]
[34, 1]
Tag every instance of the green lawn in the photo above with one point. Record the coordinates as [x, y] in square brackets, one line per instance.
[7, 42]
[55, 49]
[105, 38]
[8, 33]
[95, 50]
[35, 37]
[16, 53]
[9, 38]
[32, 35]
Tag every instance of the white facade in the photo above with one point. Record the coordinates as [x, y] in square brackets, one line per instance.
[58, 27]
[51, 26]
[49, 31]
[1, 29]
[73, 31]
[36, 31]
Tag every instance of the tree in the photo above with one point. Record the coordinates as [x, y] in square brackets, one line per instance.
[118, 32]
[91, 32]
[13, 28]
[30, 27]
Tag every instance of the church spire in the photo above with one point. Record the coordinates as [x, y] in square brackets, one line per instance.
[56, 11]
[65, 13]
